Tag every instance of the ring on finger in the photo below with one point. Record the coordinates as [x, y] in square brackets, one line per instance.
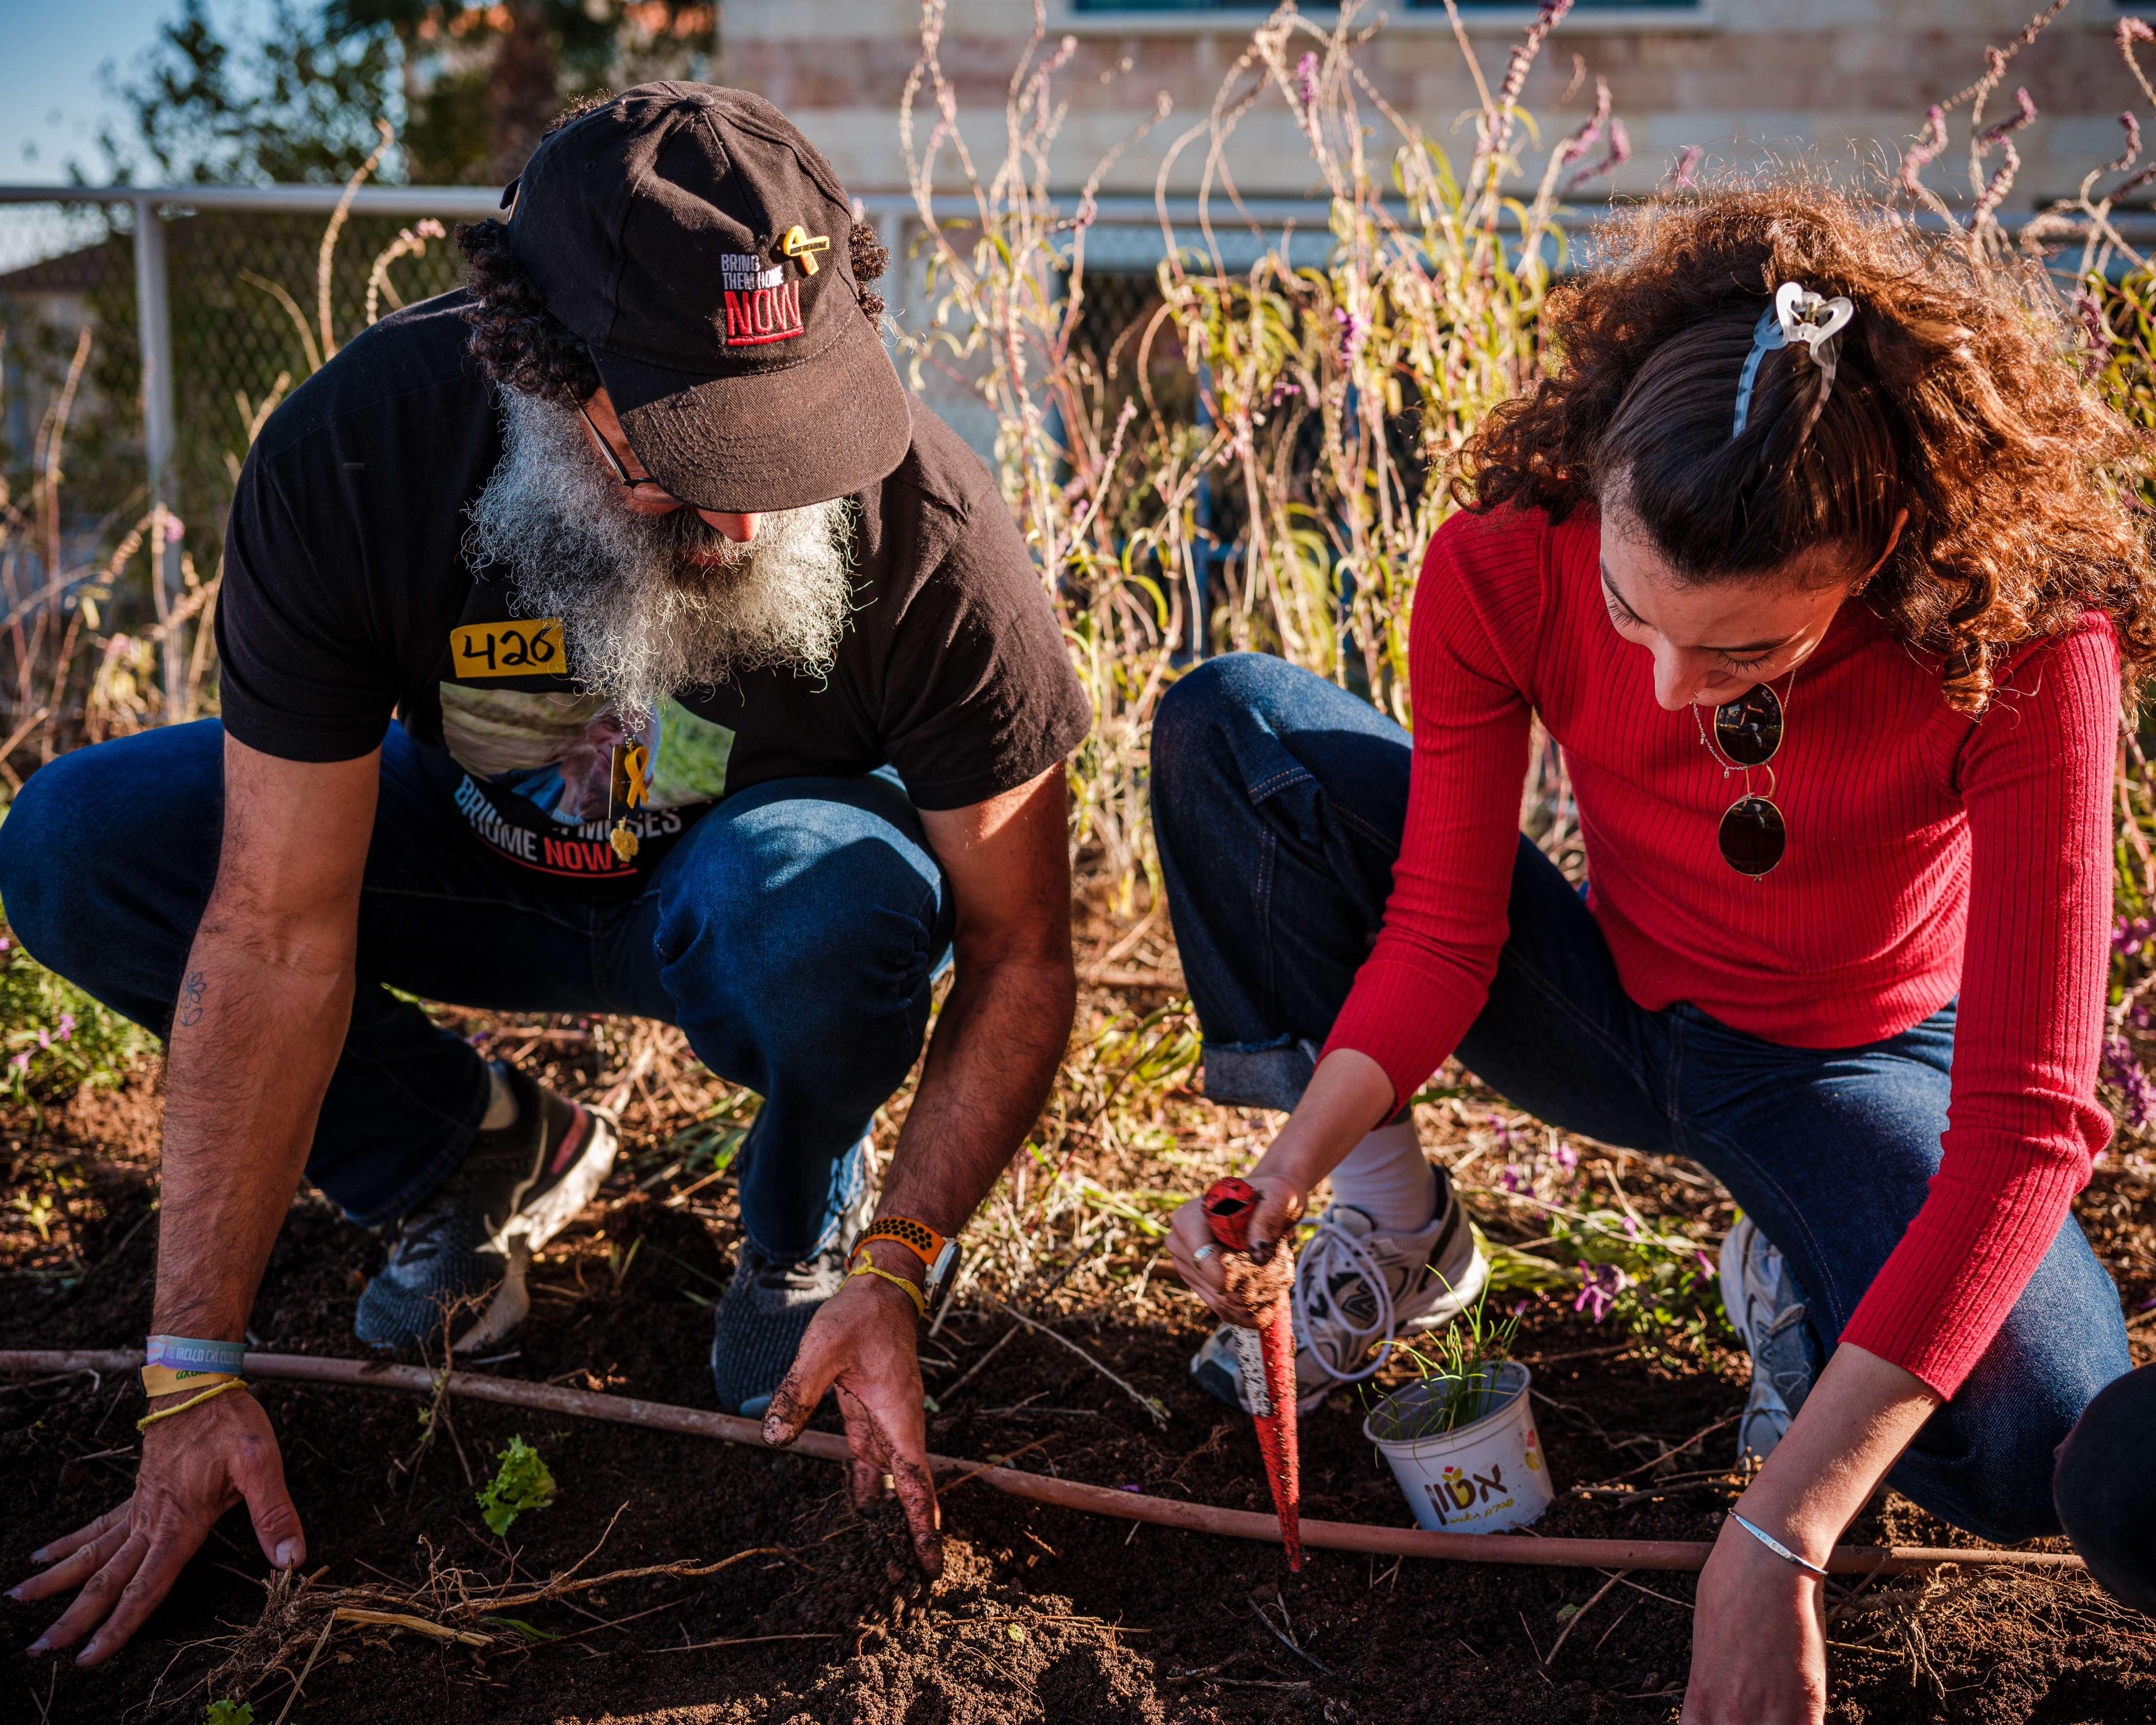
[1204, 1252]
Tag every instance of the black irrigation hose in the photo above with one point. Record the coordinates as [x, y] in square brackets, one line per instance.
[1065, 1494]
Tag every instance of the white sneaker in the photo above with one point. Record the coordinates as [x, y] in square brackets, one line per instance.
[1761, 1301]
[1356, 1288]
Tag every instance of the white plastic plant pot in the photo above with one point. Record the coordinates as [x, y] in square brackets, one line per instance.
[1488, 1473]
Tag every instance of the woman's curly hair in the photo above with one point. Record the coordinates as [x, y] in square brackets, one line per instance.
[1957, 396]
[520, 346]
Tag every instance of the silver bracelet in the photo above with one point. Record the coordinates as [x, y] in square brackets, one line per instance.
[1776, 1546]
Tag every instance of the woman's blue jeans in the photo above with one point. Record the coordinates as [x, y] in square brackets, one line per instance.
[1279, 802]
[793, 934]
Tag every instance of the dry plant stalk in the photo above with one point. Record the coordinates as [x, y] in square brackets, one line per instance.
[1159, 530]
[453, 1606]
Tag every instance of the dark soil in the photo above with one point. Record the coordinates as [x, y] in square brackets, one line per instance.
[1041, 1615]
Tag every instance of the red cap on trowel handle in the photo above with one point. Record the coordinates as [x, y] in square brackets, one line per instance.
[1265, 1360]
[1229, 1205]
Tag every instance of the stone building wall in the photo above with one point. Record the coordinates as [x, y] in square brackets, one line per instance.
[1846, 81]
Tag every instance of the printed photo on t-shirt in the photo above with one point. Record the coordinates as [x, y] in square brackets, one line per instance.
[556, 749]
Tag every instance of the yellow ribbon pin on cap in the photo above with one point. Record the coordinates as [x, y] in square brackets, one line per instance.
[803, 246]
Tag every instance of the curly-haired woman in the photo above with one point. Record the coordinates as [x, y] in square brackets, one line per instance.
[1808, 557]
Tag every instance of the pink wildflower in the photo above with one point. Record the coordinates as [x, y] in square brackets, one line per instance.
[2120, 1067]
[1354, 330]
[1600, 1285]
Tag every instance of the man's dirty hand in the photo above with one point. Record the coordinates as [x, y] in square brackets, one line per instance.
[862, 1344]
[194, 1468]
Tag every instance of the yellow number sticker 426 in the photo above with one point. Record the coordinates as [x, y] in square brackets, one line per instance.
[530, 649]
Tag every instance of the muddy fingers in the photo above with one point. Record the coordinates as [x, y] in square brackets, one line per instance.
[924, 1514]
[862, 1344]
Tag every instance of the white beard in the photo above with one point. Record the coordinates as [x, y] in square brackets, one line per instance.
[640, 621]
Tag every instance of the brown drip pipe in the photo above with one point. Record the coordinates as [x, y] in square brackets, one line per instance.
[1064, 1494]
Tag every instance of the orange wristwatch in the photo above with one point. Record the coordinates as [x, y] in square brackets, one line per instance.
[938, 1255]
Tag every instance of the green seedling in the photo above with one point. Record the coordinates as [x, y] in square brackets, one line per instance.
[229, 1713]
[1457, 1372]
[523, 1483]
[530, 1632]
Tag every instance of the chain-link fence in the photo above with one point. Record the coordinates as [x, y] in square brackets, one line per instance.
[144, 337]
[246, 321]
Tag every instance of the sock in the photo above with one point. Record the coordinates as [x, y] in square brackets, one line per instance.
[1387, 1177]
[502, 1101]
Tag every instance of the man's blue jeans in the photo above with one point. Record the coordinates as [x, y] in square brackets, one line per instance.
[1279, 802]
[2106, 1488]
[793, 934]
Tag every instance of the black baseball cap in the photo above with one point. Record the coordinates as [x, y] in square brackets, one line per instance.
[697, 243]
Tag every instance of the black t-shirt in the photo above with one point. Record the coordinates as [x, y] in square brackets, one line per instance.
[347, 597]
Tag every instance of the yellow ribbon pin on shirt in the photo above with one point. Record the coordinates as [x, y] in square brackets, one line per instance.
[802, 246]
[628, 782]
[629, 775]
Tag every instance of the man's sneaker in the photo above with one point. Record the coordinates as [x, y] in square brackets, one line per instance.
[766, 1308]
[1761, 1299]
[1355, 1288]
[515, 1189]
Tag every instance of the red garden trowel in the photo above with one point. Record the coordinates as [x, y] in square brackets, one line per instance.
[1265, 1361]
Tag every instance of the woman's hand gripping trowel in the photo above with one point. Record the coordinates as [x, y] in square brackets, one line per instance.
[1264, 1356]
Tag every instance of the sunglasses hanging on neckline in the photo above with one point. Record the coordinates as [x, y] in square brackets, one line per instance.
[1752, 836]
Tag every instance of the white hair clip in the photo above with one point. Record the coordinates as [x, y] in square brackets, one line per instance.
[1797, 315]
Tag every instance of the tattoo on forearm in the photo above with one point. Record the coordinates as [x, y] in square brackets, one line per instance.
[191, 997]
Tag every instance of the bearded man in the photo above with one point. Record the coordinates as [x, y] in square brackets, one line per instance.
[725, 694]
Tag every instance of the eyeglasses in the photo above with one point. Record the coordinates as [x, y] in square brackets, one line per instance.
[1748, 731]
[612, 460]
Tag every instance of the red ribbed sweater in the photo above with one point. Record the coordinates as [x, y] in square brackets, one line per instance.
[1929, 854]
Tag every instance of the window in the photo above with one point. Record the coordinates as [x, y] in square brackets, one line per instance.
[1465, 6]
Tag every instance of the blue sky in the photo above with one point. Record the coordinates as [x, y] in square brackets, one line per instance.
[50, 99]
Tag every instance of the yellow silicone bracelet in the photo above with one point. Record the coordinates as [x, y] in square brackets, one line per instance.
[150, 1419]
[912, 1293]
